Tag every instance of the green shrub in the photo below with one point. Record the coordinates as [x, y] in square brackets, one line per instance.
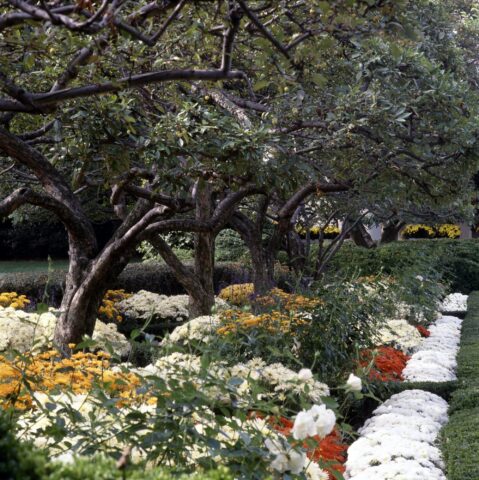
[18, 461]
[457, 261]
[103, 468]
[153, 277]
[229, 247]
[460, 437]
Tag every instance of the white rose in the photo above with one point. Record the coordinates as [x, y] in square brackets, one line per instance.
[297, 461]
[354, 383]
[305, 374]
[324, 419]
[304, 425]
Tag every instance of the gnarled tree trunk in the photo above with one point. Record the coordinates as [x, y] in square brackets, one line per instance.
[391, 231]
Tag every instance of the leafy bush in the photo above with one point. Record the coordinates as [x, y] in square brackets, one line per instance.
[229, 247]
[456, 262]
[103, 468]
[18, 461]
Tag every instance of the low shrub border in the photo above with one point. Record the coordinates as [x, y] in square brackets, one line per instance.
[460, 437]
[154, 277]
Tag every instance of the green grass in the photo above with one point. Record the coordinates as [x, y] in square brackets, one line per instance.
[13, 266]
[460, 437]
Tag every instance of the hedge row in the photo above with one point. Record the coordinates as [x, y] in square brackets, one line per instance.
[21, 461]
[456, 260]
[460, 437]
[154, 277]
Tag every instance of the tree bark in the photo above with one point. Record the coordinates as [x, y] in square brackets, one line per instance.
[361, 237]
[391, 231]
[201, 303]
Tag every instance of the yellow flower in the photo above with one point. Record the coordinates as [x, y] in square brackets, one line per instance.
[107, 308]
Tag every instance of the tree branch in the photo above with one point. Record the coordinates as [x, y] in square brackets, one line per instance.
[266, 33]
[50, 99]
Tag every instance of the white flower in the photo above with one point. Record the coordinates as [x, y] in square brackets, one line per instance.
[305, 374]
[318, 420]
[66, 458]
[315, 472]
[354, 383]
[286, 459]
[325, 420]
[297, 461]
[280, 463]
[304, 425]
[420, 278]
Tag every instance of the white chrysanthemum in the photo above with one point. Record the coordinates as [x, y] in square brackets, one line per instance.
[454, 302]
[25, 331]
[435, 359]
[400, 334]
[398, 442]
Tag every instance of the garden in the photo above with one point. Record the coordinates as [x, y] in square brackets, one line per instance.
[238, 240]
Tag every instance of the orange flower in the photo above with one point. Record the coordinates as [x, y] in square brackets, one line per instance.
[388, 363]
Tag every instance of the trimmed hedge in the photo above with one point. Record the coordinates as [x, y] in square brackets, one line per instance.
[456, 260]
[154, 277]
[460, 437]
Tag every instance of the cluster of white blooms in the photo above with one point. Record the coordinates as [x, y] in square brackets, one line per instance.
[143, 306]
[398, 442]
[279, 379]
[318, 420]
[199, 329]
[400, 334]
[454, 302]
[435, 360]
[25, 331]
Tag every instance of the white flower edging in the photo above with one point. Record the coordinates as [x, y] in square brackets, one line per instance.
[435, 359]
[454, 302]
[399, 441]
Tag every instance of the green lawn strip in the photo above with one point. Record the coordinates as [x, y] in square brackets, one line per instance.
[460, 437]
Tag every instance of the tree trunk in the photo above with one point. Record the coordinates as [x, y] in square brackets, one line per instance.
[201, 303]
[391, 231]
[263, 268]
[361, 237]
[296, 252]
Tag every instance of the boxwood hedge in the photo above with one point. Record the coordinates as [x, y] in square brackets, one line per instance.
[460, 437]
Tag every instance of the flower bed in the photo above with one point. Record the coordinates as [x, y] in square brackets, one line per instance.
[401, 439]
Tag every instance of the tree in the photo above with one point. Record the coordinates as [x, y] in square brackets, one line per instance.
[57, 55]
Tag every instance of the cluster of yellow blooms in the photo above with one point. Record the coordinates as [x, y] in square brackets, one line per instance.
[287, 301]
[316, 230]
[47, 371]
[281, 318]
[449, 230]
[108, 309]
[239, 294]
[237, 320]
[446, 230]
[12, 299]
